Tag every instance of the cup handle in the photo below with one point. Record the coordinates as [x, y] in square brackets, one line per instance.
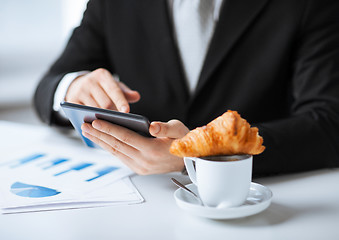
[190, 169]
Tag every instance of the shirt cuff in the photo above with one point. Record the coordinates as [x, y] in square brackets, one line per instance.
[62, 88]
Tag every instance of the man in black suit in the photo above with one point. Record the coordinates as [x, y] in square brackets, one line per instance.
[276, 62]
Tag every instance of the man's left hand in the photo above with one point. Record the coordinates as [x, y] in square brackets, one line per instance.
[142, 154]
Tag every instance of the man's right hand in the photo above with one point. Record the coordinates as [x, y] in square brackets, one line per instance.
[100, 89]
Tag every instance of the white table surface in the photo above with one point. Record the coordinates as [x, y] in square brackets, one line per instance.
[304, 206]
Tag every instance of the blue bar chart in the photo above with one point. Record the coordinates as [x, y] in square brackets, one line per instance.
[77, 167]
[68, 171]
[53, 163]
[46, 177]
[102, 172]
[25, 160]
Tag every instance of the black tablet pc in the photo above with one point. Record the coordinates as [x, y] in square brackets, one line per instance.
[79, 114]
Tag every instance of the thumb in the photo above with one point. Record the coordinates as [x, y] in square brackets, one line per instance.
[171, 129]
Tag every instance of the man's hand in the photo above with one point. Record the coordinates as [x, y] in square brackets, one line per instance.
[143, 155]
[100, 89]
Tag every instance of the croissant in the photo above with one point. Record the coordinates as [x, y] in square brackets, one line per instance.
[228, 134]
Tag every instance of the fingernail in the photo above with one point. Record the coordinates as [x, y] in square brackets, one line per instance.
[85, 128]
[155, 128]
[124, 109]
[96, 125]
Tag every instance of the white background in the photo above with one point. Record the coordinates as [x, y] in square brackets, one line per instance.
[32, 35]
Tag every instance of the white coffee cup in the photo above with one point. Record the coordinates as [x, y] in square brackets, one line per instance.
[222, 181]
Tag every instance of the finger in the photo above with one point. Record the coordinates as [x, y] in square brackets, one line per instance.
[125, 135]
[129, 162]
[131, 158]
[171, 129]
[102, 99]
[88, 100]
[115, 145]
[83, 97]
[113, 90]
[112, 141]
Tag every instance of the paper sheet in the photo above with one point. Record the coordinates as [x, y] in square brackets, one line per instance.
[58, 177]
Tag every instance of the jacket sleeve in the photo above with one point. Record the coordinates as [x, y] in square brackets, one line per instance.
[84, 51]
[309, 139]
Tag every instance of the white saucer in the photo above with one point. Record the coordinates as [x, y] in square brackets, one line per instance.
[259, 198]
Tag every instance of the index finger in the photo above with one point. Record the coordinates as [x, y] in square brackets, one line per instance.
[115, 93]
[125, 135]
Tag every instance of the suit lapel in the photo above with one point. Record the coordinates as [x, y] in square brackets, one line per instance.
[235, 17]
[156, 20]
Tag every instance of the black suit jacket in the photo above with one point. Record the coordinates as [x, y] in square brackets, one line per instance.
[276, 62]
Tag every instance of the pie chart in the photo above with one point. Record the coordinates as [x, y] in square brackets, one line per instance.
[32, 191]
